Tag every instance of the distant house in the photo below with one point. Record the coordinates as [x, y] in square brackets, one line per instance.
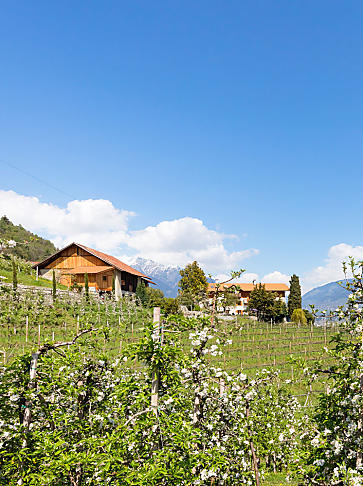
[244, 292]
[72, 263]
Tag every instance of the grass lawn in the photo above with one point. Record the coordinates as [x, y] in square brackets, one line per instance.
[27, 279]
[278, 479]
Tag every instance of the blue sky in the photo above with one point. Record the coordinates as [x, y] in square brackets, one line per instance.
[219, 118]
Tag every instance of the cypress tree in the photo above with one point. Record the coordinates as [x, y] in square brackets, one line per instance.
[15, 276]
[86, 287]
[141, 293]
[54, 288]
[294, 300]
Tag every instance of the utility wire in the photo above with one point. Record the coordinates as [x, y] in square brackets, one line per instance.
[36, 178]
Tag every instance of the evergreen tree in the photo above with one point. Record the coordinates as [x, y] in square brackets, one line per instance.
[86, 287]
[193, 281]
[279, 311]
[15, 276]
[294, 300]
[141, 293]
[155, 297]
[54, 287]
[262, 301]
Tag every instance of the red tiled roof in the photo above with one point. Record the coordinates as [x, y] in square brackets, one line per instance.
[114, 262]
[247, 287]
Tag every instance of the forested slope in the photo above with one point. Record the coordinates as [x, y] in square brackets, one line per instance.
[29, 246]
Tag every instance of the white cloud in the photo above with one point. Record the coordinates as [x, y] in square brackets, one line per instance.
[247, 277]
[331, 270]
[276, 277]
[99, 224]
[95, 222]
[183, 240]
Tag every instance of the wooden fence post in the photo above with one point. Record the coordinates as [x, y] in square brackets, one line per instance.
[155, 374]
[27, 417]
[222, 386]
[359, 459]
[254, 458]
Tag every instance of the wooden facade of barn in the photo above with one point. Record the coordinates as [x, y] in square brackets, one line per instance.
[72, 263]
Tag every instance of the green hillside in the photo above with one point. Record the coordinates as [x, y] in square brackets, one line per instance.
[26, 278]
[29, 246]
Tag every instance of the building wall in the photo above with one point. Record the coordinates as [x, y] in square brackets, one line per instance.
[74, 257]
[244, 297]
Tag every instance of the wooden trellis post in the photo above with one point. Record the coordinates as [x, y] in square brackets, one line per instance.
[253, 452]
[222, 387]
[359, 459]
[155, 374]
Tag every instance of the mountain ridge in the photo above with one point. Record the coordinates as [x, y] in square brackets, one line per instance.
[326, 297]
[166, 277]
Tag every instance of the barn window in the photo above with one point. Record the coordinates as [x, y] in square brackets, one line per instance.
[104, 278]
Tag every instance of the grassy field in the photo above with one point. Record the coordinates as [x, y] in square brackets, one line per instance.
[27, 279]
[278, 479]
[286, 346]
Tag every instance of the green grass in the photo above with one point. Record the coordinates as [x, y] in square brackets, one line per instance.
[286, 347]
[278, 479]
[27, 279]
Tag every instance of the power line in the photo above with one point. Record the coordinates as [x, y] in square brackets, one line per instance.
[36, 178]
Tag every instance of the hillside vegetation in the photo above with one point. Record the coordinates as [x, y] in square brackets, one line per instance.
[29, 246]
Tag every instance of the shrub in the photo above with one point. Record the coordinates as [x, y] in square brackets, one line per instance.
[298, 316]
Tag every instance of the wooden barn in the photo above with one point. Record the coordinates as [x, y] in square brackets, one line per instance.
[72, 263]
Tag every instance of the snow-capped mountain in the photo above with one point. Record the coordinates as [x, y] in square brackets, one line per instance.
[165, 277]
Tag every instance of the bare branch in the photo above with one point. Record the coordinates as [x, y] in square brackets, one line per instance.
[149, 409]
[48, 347]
